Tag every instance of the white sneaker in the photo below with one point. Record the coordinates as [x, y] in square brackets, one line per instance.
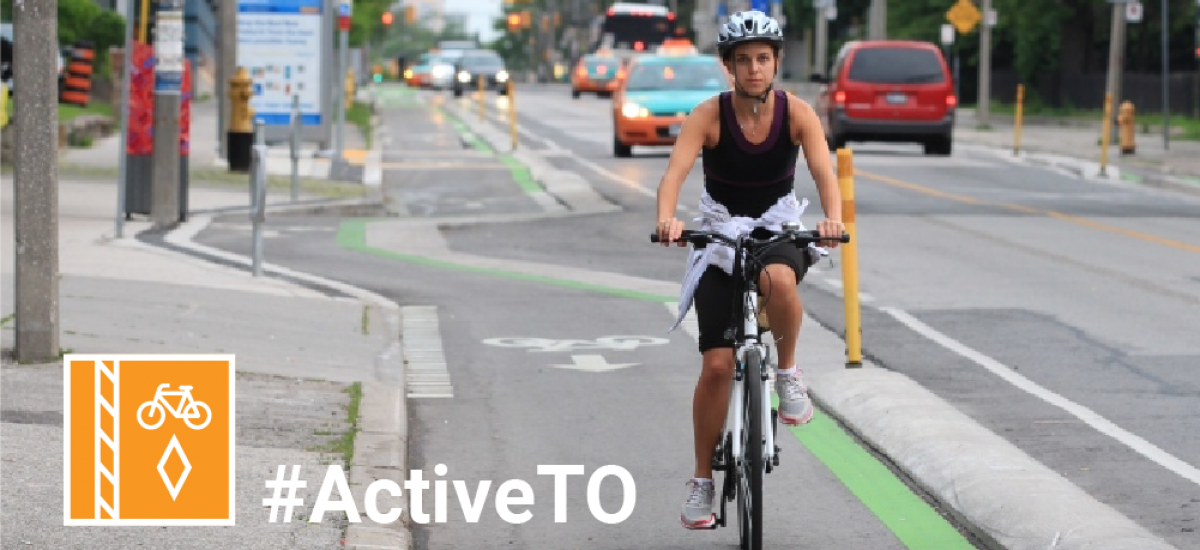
[697, 511]
[794, 405]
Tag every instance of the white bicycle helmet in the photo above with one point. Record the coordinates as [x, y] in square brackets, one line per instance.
[748, 26]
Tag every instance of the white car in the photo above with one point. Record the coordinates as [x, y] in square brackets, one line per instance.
[441, 70]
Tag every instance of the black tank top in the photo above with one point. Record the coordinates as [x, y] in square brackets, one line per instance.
[746, 178]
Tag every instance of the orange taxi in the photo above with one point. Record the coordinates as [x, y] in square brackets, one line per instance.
[598, 73]
[659, 91]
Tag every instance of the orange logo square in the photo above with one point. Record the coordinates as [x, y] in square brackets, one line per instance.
[149, 440]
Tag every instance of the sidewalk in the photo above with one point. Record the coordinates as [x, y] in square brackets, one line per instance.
[1178, 166]
[299, 347]
[205, 149]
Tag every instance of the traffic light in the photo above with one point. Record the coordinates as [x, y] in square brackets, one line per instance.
[388, 18]
[514, 22]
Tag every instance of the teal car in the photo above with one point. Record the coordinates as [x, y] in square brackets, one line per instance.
[656, 95]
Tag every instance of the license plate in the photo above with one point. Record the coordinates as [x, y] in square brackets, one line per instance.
[897, 98]
[673, 130]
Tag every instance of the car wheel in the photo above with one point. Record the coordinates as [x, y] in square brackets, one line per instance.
[621, 150]
[458, 92]
[604, 94]
[940, 146]
[574, 94]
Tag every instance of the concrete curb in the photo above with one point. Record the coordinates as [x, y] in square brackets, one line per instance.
[1003, 495]
[381, 446]
[380, 452]
[568, 188]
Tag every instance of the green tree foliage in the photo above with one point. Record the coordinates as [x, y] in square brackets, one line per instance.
[84, 20]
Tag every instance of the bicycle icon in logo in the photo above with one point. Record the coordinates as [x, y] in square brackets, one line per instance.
[188, 409]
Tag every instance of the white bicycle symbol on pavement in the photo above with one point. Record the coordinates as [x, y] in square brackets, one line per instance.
[187, 410]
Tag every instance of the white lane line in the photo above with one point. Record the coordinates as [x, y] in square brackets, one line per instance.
[426, 373]
[863, 297]
[1088, 416]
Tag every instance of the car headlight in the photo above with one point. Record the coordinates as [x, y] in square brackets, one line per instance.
[442, 71]
[502, 76]
[464, 77]
[633, 110]
[407, 74]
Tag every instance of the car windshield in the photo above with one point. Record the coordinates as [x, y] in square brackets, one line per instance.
[482, 62]
[676, 76]
[896, 66]
[601, 65]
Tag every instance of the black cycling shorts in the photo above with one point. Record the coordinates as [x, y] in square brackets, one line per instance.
[714, 298]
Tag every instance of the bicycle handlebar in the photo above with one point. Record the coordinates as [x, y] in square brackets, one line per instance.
[700, 238]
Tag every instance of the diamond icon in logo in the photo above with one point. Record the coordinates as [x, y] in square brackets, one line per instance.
[174, 488]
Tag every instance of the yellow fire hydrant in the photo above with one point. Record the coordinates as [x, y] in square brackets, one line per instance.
[1126, 119]
[350, 87]
[240, 137]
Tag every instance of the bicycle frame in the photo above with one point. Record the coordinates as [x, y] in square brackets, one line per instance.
[747, 341]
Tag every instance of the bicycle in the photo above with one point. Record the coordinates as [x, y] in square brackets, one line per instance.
[187, 410]
[745, 451]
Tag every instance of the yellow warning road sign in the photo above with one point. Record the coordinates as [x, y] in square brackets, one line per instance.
[964, 16]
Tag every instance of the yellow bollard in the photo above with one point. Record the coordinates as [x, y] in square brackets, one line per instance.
[512, 114]
[845, 172]
[1017, 123]
[482, 99]
[3, 105]
[1128, 122]
[1104, 134]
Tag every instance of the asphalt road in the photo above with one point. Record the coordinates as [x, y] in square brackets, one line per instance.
[1060, 313]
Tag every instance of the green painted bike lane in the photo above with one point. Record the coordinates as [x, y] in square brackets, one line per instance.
[912, 520]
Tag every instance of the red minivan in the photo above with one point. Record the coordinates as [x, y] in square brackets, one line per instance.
[889, 90]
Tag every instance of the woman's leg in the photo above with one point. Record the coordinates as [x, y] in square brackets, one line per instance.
[709, 405]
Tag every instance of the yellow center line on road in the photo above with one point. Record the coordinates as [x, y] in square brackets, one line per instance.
[1034, 211]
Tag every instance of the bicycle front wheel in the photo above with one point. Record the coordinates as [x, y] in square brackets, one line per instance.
[751, 475]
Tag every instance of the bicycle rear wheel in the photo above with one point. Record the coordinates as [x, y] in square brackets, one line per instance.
[751, 469]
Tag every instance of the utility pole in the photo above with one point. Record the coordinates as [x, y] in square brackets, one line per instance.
[822, 36]
[877, 30]
[1116, 55]
[1166, 75]
[35, 176]
[226, 67]
[168, 84]
[983, 108]
[345, 11]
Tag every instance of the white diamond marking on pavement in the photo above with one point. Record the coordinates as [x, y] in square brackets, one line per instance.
[187, 467]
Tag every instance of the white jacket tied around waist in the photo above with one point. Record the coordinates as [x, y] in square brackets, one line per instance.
[714, 217]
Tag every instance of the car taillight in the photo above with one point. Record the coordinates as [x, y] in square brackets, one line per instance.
[581, 71]
[639, 45]
[620, 74]
[951, 101]
[839, 97]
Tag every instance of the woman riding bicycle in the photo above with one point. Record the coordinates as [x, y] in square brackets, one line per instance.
[750, 139]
